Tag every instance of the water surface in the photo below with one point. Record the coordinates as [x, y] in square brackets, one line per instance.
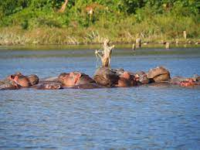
[145, 117]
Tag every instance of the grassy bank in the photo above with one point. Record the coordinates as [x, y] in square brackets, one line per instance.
[54, 36]
[151, 30]
[38, 22]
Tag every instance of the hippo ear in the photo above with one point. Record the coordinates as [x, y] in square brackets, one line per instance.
[77, 77]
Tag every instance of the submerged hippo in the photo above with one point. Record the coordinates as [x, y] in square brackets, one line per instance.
[141, 77]
[33, 79]
[24, 81]
[106, 77]
[8, 85]
[196, 78]
[182, 81]
[158, 74]
[125, 80]
[18, 80]
[114, 77]
[49, 86]
[77, 80]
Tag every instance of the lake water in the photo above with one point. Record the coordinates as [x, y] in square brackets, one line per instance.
[144, 117]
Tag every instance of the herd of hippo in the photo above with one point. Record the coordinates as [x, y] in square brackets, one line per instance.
[104, 77]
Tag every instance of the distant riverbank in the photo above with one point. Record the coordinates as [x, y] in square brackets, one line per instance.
[128, 46]
[90, 22]
[92, 38]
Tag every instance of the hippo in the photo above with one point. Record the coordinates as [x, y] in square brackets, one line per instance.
[119, 77]
[106, 77]
[48, 86]
[188, 83]
[18, 80]
[177, 80]
[33, 79]
[196, 78]
[87, 86]
[158, 74]
[141, 77]
[77, 80]
[49, 83]
[115, 77]
[10, 82]
[8, 85]
[24, 81]
[182, 81]
[127, 79]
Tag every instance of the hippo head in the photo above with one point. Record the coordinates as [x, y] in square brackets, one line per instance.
[71, 79]
[125, 79]
[21, 80]
[187, 83]
[11, 77]
[61, 77]
[74, 78]
[141, 77]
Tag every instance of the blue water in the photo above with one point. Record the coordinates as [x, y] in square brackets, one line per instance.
[144, 117]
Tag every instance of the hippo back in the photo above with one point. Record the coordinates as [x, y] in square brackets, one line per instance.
[85, 79]
[158, 74]
[106, 76]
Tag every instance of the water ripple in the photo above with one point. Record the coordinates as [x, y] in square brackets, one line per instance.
[154, 117]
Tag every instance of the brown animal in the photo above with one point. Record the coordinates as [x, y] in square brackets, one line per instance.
[75, 78]
[49, 86]
[8, 85]
[141, 77]
[125, 80]
[21, 80]
[158, 74]
[106, 77]
[33, 79]
[188, 83]
[122, 82]
[184, 82]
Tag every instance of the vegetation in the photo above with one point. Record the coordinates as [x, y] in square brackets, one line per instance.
[91, 21]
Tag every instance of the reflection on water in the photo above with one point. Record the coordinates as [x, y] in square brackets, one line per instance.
[118, 118]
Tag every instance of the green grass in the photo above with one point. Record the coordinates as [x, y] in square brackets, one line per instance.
[56, 29]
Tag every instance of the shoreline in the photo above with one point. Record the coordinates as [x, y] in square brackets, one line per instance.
[127, 45]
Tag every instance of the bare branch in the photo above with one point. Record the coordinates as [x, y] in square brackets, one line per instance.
[105, 54]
